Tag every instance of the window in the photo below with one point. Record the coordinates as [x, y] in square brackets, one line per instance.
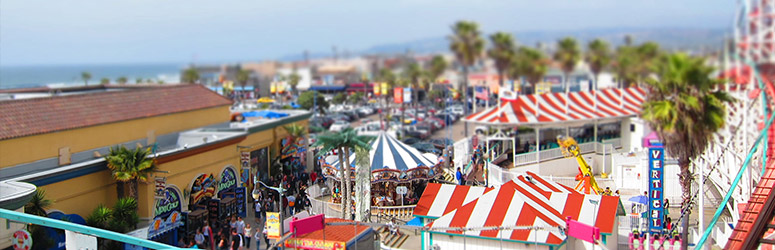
[632, 127]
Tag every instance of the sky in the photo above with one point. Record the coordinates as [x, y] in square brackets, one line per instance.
[35, 32]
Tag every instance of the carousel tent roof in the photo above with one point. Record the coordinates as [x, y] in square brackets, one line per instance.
[563, 107]
[387, 151]
[530, 201]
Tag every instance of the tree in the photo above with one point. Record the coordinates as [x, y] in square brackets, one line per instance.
[362, 184]
[38, 204]
[85, 76]
[121, 80]
[598, 57]
[130, 166]
[686, 107]
[467, 44]
[307, 101]
[104, 81]
[529, 63]
[243, 76]
[567, 54]
[293, 81]
[139, 80]
[414, 73]
[634, 64]
[356, 97]
[345, 141]
[502, 52]
[339, 98]
[190, 75]
[437, 67]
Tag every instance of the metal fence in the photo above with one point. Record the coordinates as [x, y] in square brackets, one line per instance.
[605, 147]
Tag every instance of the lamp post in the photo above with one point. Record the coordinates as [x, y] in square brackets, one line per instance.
[280, 191]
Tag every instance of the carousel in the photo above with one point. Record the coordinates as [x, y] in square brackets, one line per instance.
[393, 164]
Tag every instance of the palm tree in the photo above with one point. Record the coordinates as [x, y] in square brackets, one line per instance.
[529, 63]
[243, 76]
[598, 56]
[362, 181]
[502, 52]
[414, 73]
[38, 204]
[121, 80]
[345, 141]
[130, 166]
[437, 67]
[686, 108]
[648, 54]
[467, 44]
[85, 76]
[190, 75]
[139, 80]
[567, 54]
[293, 81]
[124, 216]
[625, 65]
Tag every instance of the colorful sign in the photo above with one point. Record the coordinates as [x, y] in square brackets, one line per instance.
[407, 95]
[398, 95]
[384, 88]
[308, 225]
[228, 182]
[161, 225]
[161, 183]
[203, 188]
[213, 208]
[314, 244]
[376, 89]
[22, 240]
[656, 188]
[168, 204]
[273, 225]
[582, 231]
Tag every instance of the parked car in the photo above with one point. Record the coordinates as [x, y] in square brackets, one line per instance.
[413, 131]
[456, 110]
[364, 111]
[339, 126]
[340, 117]
[441, 143]
[439, 122]
[425, 128]
[425, 147]
[447, 118]
[321, 121]
[410, 141]
[352, 114]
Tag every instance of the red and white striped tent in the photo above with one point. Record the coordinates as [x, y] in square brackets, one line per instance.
[563, 107]
[532, 202]
[439, 199]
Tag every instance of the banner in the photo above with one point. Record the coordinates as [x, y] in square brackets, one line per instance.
[656, 180]
[161, 183]
[384, 88]
[398, 95]
[376, 89]
[407, 95]
[239, 194]
[314, 244]
[273, 225]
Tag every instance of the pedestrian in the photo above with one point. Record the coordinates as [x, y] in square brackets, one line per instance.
[258, 209]
[257, 236]
[236, 240]
[240, 225]
[223, 244]
[266, 237]
[233, 223]
[459, 176]
[208, 233]
[291, 203]
[199, 238]
[247, 235]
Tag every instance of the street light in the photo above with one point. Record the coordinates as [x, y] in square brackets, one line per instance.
[280, 190]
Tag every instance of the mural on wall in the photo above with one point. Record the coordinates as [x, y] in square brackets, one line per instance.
[292, 151]
[245, 169]
[167, 213]
[203, 188]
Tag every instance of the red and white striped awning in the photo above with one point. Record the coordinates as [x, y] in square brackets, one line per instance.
[534, 202]
[563, 107]
[439, 199]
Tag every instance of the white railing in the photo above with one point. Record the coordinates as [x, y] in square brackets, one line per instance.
[607, 147]
[401, 212]
[330, 209]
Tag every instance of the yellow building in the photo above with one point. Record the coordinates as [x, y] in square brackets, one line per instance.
[58, 143]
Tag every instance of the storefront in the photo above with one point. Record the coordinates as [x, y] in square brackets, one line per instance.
[167, 224]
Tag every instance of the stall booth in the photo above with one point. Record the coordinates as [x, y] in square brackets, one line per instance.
[215, 199]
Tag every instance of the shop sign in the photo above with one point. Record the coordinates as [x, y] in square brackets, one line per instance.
[228, 182]
[384, 88]
[245, 159]
[161, 225]
[213, 208]
[407, 95]
[273, 225]
[314, 244]
[239, 195]
[656, 188]
[22, 240]
[169, 203]
[161, 184]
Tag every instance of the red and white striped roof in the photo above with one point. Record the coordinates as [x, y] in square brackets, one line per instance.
[562, 107]
[530, 202]
[439, 199]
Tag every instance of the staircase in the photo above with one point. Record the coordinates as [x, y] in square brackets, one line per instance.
[392, 240]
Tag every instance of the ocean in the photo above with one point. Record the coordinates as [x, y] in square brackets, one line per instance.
[65, 75]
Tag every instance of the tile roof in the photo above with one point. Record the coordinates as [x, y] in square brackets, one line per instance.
[26, 117]
[342, 233]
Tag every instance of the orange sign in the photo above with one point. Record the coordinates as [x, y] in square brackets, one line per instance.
[398, 95]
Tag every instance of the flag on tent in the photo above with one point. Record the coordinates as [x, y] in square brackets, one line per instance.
[481, 93]
[507, 95]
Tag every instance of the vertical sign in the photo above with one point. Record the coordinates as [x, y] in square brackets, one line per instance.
[656, 189]
[407, 95]
[239, 194]
[272, 225]
[384, 88]
[398, 95]
[161, 184]
[245, 173]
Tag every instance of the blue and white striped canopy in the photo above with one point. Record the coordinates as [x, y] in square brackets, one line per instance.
[388, 152]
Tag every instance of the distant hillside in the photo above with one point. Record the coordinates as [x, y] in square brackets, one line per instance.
[668, 38]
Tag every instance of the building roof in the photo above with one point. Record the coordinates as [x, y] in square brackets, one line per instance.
[530, 201]
[341, 233]
[439, 199]
[27, 117]
[563, 107]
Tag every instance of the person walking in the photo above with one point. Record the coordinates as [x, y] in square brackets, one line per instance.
[199, 238]
[247, 235]
[208, 233]
[266, 238]
[459, 176]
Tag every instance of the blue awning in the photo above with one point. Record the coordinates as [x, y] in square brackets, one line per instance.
[264, 114]
[327, 88]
